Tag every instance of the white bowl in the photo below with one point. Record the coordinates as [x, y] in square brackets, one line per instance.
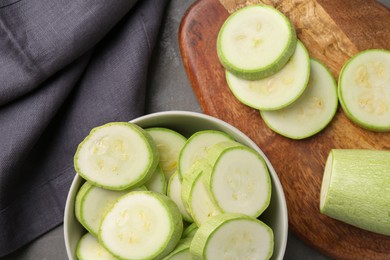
[188, 123]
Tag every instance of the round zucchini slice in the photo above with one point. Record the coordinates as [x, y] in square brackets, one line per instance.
[256, 42]
[276, 91]
[364, 89]
[312, 111]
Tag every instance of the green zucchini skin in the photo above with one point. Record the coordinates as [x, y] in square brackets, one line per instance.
[356, 188]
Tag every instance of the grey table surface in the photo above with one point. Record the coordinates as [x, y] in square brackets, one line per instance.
[168, 89]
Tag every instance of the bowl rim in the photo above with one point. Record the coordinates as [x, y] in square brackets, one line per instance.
[162, 114]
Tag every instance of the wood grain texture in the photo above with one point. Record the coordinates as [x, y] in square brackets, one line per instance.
[332, 31]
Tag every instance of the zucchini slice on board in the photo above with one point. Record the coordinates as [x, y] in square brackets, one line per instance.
[116, 156]
[255, 42]
[141, 225]
[364, 89]
[355, 188]
[276, 91]
[312, 111]
[234, 236]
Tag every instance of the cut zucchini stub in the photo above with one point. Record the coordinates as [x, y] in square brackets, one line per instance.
[116, 156]
[312, 111]
[364, 89]
[255, 42]
[141, 225]
[276, 91]
[355, 188]
[233, 236]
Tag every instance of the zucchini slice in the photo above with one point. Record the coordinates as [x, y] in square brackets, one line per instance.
[233, 236]
[116, 156]
[255, 42]
[158, 182]
[88, 248]
[196, 196]
[276, 91]
[364, 89]
[174, 192]
[238, 181]
[196, 146]
[92, 203]
[169, 143]
[141, 225]
[312, 111]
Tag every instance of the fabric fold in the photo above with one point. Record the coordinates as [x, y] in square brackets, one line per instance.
[40, 37]
[50, 104]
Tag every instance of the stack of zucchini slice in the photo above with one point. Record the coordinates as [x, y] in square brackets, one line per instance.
[154, 194]
[269, 69]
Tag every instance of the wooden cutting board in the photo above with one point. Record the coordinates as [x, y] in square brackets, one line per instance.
[333, 31]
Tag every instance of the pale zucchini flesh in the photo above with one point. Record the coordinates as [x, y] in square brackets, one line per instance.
[174, 192]
[92, 203]
[255, 42]
[141, 225]
[239, 182]
[364, 91]
[158, 182]
[196, 146]
[311, 112]
[355, 188]
[169, 144]
[196, 196]
[201, 205]
[276, 91]
[88, 248]
[116, 156]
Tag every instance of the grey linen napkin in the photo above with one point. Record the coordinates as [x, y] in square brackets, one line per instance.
[66, 66]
